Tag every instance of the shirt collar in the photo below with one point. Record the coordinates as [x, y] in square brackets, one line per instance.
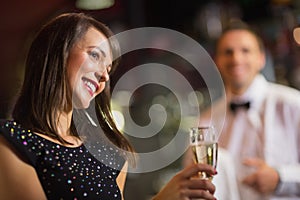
[255, 93]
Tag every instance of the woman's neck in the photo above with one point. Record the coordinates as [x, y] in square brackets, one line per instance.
[64, 126]
[64, 123]
[63, 130]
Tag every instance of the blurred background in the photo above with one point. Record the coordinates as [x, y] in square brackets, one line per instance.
[276, 20]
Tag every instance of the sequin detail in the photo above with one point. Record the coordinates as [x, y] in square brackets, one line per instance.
[67, 172]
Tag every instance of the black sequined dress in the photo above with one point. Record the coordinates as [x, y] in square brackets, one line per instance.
[67, 172]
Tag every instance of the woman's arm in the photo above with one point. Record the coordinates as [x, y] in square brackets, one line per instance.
[121, 179]
[18, 180]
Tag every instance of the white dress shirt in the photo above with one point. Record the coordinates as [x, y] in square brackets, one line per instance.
[269, 129]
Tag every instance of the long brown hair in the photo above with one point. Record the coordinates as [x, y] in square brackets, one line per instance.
[45, 89]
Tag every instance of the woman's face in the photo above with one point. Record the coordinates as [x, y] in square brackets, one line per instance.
[88, 65]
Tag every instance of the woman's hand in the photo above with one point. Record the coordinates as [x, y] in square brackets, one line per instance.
[186, 185]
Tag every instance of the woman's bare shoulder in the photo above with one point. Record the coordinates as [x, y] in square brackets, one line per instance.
[18, 180]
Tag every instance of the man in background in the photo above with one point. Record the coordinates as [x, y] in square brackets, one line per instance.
[261, 131]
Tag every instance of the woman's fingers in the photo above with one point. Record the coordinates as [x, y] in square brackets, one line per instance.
[194, 169]
[202, 184]
[200, 194]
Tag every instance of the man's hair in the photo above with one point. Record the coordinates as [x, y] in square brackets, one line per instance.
[241, 25]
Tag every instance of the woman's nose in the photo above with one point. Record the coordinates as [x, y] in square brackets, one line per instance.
[102, 76]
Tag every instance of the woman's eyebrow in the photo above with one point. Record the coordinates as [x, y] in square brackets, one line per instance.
[101, 51]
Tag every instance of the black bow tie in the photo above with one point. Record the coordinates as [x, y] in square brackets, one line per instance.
[235, 106]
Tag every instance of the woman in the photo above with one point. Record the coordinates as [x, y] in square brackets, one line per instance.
[48, 151]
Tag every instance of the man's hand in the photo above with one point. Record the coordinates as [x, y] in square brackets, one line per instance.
[265, 179]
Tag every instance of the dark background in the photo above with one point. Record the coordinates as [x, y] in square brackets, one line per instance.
[275, 20]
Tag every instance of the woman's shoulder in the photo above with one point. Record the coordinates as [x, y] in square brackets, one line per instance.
[4, 122]
[19, 138]
[12, 129]
[14, 167]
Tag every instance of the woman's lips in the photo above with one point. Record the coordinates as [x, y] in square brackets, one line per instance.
[91, 85]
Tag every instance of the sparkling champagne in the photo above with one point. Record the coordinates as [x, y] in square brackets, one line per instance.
[207, 153]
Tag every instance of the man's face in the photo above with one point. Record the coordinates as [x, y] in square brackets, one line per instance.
[239, 59]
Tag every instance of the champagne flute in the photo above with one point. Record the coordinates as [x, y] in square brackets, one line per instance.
[203, 142]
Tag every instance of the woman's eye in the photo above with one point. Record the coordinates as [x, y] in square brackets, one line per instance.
[94, 55]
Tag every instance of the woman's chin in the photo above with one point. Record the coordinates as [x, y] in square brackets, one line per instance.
[81, 104]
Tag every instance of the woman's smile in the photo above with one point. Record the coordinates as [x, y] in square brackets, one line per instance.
[91, 85]
[88, 66]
